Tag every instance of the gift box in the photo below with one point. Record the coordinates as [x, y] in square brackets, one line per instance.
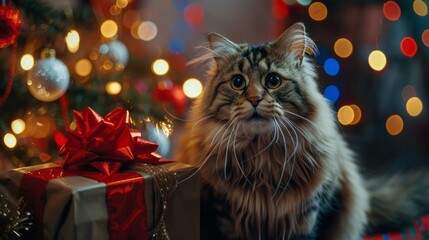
[76, 207]
[111, 185]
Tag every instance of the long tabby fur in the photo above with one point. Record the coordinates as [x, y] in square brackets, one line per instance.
[273, 162]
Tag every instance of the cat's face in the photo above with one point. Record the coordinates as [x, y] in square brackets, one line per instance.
[261, 87]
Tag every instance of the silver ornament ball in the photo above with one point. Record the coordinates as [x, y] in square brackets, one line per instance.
[157, 135]
[113, 56]
[49, 79]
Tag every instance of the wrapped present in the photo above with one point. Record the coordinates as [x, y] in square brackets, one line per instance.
[111, 185]
[419, 230]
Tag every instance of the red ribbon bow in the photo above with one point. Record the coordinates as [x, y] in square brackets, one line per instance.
[106, 143]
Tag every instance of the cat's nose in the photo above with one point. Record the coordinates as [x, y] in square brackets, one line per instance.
[254, 100]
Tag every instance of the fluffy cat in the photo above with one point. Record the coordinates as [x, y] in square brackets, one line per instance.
[272, 160]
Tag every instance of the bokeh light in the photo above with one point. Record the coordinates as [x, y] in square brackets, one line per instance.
[279, 9]
[408, 92]
[72, 41]
[408, 46]
[17, 126]
[318, 11]
[27, 61]
[109, 29]
[113, 88]
[131, 16]
[194, 14]
[420, 8]
[176, 45]
[343, 47]
[192, 88]
[304, 2]
[345, 115]
[83, 67]
[394, 125]
[425, 37]
[160, 67]
[147, 30]
[391, 10]
[331, 66]
[121, 3]
[377, 60]
[414, 106]
[9, 140]
[357, 114]
[331, 93]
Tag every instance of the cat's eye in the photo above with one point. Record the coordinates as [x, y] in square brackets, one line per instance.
[273, 81]
[238, 82]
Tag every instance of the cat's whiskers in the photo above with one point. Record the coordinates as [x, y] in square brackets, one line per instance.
[285, 160]
[236, 158]
[218, 143]
[315, 128]
[295, 150]
[198, 122]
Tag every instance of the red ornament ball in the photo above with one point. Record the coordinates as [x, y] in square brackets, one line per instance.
[171, 94]
[10, 23]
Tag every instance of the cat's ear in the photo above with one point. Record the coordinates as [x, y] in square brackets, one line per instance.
[295, 40]
[221, 48]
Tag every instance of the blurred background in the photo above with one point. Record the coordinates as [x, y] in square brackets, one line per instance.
[60, 56]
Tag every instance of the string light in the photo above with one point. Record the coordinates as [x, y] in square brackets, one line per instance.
[147, 30]
[27, 62]
[160, 67]
[391, 11]
[9, 140]
[343, 47]
[72, 41]
[394, 125]
[318, 11]
[414, 106]
[420, 8]
[192, 88]
[408, 47]
[18, 126]
[345, 115]
[121, 3]
[113, 88]
[377, 60]
[109, 29]
[83, 67]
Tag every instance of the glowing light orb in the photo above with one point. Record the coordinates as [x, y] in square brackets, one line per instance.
[318, 11]
[345, 115]
[332, 93]
[357, 114]
[160, 67]
[121, 3]
[391, 10]
[18, 126]
[377, 60]
[304, 2]
[408, 46]
[109, 28]
[113, 88]
[83, 67]
[72, 41]
[9, 140]
[343, 47]
[147, 30]
[394, 125]
[192, 88]
[425, 37]
[279, 9]
[194, 14]
[420, 8]
[408, 92]
[331, 66]
[414, 106]
[27, 62]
